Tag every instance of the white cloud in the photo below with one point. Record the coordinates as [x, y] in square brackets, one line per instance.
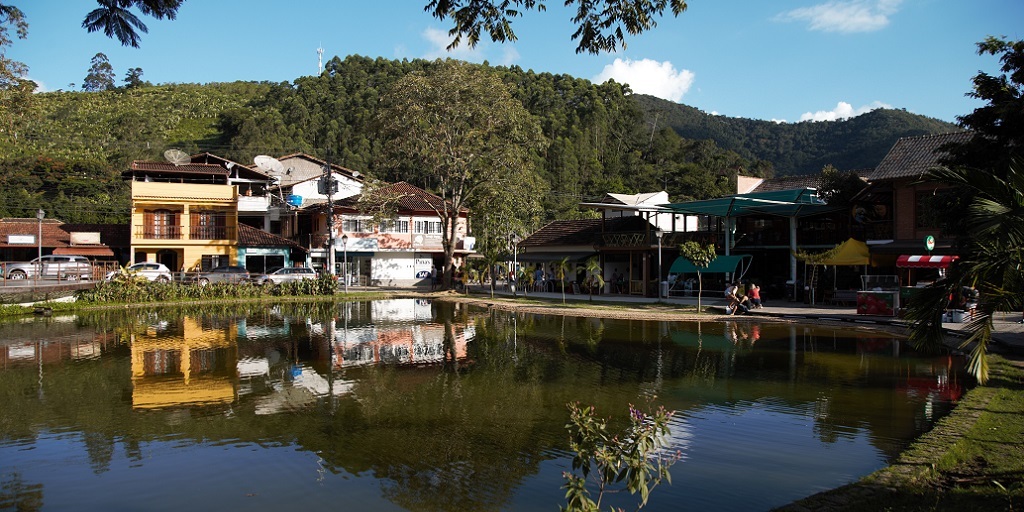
[845, 16]
[439, 41]
[649, 77]
[509, 56]
[843, 110]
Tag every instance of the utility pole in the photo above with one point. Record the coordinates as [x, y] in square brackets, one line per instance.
[328, 181]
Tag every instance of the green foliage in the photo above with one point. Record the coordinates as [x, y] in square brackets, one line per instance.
[133, 290]
[101, 75]
[634, 459]
[600, 26]
[701, 256]
[594, 269]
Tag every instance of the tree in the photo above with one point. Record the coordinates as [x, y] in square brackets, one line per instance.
[133, 78]
[987, 179]
[10, 70]
[594, 268]
[601, 26]
[459, 123]
[101, 75]
[701, 256]
[561, 269]
[115, 19]
[999, 125]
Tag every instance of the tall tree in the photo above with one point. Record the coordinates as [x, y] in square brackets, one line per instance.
[101, 75]
[601, 26]
[460, 123]
[10, 70]
[133, 78]
[115, 19]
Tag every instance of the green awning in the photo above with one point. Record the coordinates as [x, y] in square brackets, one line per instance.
[720, 265]
[782, 203]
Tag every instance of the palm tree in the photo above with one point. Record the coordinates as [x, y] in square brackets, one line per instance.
[701, 256]
[561, 268]
[991, 259]
[594, 268]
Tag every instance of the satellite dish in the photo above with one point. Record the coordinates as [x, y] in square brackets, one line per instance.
[268, 164]
[177, 157]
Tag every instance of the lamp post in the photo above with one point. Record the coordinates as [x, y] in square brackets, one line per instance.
[344, 267]
[39, 215]
[658, 234]
[514, 239]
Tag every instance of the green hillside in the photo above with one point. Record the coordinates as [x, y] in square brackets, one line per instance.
[65, 150]
[797, 148]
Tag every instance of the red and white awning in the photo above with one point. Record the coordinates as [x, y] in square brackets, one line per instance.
[923, 261]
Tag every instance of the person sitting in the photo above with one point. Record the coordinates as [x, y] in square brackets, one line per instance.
[736, 303]
[755, 296]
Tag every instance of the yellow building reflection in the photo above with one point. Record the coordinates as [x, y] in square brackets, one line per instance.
[186, 364]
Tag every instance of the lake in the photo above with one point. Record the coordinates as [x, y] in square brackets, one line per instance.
[411, 404]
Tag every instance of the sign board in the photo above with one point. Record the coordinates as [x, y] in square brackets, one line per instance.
[85, 238]
[21, 239]
[929, 242]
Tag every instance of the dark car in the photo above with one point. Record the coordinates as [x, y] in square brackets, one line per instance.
[223, 274]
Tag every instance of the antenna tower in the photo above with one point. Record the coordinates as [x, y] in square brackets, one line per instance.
[319, 60]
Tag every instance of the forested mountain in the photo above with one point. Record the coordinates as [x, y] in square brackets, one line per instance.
[797, 148]
[64, 151]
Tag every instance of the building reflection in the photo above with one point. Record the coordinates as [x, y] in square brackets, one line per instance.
[184, 363]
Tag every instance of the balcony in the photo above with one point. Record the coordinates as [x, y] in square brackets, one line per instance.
[175, 233]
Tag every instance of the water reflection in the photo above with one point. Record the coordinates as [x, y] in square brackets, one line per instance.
[426, 406]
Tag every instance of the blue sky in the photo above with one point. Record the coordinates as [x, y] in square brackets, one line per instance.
[784, 60]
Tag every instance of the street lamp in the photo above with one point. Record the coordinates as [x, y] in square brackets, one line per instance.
[344, 267]
[513, 274]
[658, 234]
[39, 215]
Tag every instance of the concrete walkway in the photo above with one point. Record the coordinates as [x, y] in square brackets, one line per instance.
[1008, 332]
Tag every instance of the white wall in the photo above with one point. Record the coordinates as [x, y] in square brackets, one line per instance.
[394, 269]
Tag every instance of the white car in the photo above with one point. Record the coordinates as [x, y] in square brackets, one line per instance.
[284, 275]
[51, 267]
[147, 270]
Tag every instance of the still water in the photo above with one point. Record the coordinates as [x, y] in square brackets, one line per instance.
[413, 405]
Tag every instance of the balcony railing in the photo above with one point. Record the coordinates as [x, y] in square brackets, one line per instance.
[194, 233]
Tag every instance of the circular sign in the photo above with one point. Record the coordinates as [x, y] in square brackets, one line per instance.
[929, 242]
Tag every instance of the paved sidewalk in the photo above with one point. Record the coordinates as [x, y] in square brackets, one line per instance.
[1008, 332]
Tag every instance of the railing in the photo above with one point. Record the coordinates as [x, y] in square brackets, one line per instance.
[194, 233]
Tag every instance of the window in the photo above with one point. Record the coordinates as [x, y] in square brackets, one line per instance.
[424, 227]
[208, 225]
[395, 226]
[161, 225]
[357, 225]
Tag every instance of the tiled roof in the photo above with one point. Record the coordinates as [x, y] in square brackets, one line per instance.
[411, 198]
[249, 236]
[911, 157]
[583, 231]
[789, 183]
[57, 234]
[167, 167]
[210, 158]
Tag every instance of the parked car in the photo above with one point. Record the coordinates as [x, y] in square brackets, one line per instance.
[285, 275]
[222, 274]
[52, 266]
[147, 270]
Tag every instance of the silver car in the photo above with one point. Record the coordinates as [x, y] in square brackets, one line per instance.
[223, 274]
[52, 266]
[146, 270]
[285, 275]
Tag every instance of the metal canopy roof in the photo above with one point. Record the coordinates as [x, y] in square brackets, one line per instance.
[720, 265]
[781, 203]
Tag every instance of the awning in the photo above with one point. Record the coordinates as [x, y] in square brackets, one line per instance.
[921, 261]
[720, 265]
[77, 250]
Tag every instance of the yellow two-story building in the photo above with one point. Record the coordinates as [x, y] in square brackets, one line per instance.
[184, 216]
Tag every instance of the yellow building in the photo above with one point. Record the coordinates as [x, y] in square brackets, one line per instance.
[184, 216]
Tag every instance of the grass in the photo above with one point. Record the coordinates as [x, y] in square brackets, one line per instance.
[972, 460]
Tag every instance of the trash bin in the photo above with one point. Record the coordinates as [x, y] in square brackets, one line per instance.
[664, 289]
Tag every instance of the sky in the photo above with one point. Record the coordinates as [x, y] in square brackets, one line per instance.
[779, 60]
